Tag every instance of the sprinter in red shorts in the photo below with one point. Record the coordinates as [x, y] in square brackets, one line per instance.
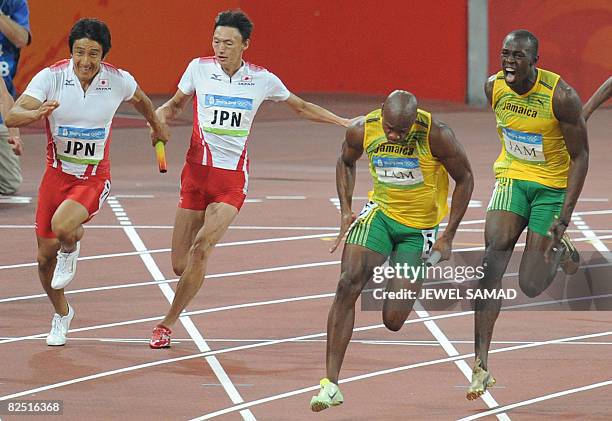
[78, 99]
[226, 94]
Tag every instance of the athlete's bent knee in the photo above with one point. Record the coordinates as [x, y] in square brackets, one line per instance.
[178, 268]
[60, 230]
[348, 288]
[530, 290]
[200, 250]
[45, 262]
[392, 324]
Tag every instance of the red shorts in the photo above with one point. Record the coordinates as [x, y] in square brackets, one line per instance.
[202, 185]
[57, 186]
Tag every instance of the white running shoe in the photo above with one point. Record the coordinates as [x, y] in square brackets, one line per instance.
[59, 328]
[65, 268]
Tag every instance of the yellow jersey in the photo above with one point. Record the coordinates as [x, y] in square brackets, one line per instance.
[533, 147]
[410, 184]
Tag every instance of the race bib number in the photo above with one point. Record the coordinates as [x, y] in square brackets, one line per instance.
[398, 171]
[80, 146]
[227, 115]
[524, 146]
[368, 207]
[429, 238]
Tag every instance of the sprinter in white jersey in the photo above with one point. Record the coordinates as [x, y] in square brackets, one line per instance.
[78, 98]
[226, 94]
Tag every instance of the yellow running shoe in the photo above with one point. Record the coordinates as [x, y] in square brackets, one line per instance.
[481, 380]
[329, 395]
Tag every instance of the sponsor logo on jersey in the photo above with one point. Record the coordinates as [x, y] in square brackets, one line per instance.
[228, 102]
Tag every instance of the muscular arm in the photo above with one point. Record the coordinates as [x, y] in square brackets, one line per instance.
[16, 34]
[488, 88]
[28, 109]
[568, 111]
[144, 106]
[314, 112]
[352, 149]
[445, 147]
[603, 93]
[173, 107]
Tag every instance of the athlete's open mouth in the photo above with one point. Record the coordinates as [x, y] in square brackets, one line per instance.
[510, 74]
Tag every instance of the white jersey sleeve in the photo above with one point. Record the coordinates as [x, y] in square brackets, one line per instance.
[129, 85]
[186, 84]
[41, 85]
[276, 90]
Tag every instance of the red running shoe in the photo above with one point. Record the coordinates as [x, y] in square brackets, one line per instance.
[160, 337]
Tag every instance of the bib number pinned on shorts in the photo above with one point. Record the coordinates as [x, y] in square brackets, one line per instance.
[369, 207]
[429, 238]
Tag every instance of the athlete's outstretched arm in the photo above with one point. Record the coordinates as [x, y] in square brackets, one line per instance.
[445, 147]
[568, 110]
[173, 107]
[314, 112]
[603, 93]
[352, 149]
[142, 103]
[27, 110]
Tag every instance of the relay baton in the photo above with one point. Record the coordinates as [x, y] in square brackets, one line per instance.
[434, 258]
[160, 152]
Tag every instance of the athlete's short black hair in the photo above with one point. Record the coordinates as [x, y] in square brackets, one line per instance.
[93, 29]
[235, 19]
[534, 44]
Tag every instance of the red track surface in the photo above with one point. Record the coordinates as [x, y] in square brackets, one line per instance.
[289, 158]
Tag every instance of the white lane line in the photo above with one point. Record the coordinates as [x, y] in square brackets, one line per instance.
[165, 250]
[451, 351]
[15, 200]
[134, 196]
[536, 400]
[384, 342]
[387, 371]
[283, 301]
[204, 354]
[246, 405]
[211, 276]
[257, 227]
[285, 197]
[591, 237]
[234, 227]
[597, 212]
[274, 240]
[192, 330]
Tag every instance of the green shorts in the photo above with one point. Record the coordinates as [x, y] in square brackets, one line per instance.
[376, 231]
[535, 202]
